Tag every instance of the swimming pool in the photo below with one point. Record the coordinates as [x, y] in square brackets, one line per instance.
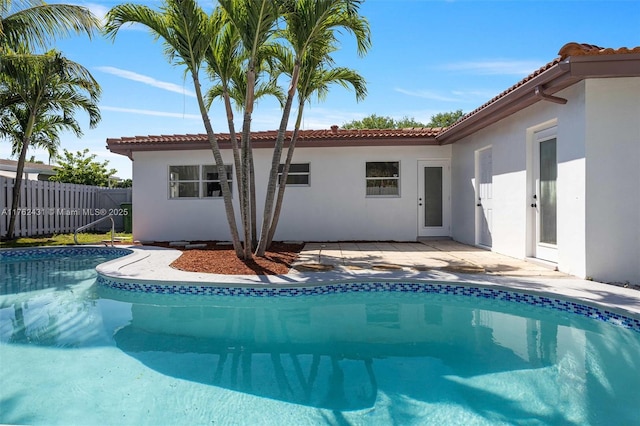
[381, 352]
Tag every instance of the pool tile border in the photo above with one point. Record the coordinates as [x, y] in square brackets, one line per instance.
[379, 286]
[41, 252]
[324, 289]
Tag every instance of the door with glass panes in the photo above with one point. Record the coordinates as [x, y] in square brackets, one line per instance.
[544, 198]
[434, 212]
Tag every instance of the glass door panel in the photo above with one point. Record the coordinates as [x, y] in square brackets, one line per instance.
[434, 187]
[547, 194]
[433, 196]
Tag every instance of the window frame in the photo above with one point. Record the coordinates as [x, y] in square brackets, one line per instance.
[380, 178]
[201, 181]
[307, 174]
[204, 181]
[179, 181]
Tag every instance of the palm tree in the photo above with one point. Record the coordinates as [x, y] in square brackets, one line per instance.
[49, 91]
[234, 91]
[309, 22]
[187, 32]
[225, 62]
[316, 75]
[255, 23]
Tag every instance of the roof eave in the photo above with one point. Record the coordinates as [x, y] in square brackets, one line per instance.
[603, 66]
[550, 81]
[562, 75]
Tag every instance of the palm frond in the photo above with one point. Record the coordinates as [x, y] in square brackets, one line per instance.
[183, 26]
[310, 20]
[254, 20]
[36, 25]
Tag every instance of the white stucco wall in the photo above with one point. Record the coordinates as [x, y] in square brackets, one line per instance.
[613, 179]
[510, 140]
[333, 207]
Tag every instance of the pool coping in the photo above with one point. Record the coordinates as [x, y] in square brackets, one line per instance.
[150, 264]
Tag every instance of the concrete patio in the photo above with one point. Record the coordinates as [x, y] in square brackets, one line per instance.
[445, 255]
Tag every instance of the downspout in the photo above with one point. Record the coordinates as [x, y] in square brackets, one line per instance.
[543, 96]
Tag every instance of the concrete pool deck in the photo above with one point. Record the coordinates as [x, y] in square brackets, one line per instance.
[426, 261]
[445, 255]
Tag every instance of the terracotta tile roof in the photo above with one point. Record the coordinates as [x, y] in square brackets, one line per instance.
[583, 49]
[334, 134]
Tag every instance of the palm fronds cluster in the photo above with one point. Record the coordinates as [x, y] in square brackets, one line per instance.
[249, 49]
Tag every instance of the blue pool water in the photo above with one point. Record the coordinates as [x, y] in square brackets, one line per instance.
[73, 352]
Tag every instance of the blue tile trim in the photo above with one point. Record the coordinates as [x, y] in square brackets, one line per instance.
[407, 287]
[47, 252]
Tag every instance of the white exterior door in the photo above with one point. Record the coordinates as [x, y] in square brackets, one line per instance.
[434, 199]
[484, 195]
[544, 199]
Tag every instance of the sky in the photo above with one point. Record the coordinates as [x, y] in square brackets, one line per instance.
[427, 56]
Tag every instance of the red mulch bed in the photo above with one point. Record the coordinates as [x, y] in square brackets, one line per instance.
[216, 259]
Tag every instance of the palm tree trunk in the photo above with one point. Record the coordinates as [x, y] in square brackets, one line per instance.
[234, 141]
[222, 172]
[17, 184]
[275, 163]
[246, 159]
[236, 150]
[283, 178]
[254, 209]
[246, 187]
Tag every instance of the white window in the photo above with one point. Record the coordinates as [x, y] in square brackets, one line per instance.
[383, 178]
[298, 174]
[196, 181]
[184, 181]
[211, 181]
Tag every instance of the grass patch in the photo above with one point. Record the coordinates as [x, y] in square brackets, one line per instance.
[66, 239]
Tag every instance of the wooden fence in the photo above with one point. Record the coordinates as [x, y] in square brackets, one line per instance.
[54, 207]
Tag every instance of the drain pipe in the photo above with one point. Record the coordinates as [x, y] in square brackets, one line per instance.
[543, 96]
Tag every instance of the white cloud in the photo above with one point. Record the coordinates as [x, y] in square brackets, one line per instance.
[97, 9]
[477, 94]
[100, 11]
[151, 112]
[495, 67]
[454, 96]
[427, 94]
[133, 76]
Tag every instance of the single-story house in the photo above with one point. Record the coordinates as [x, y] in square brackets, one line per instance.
[32, 171]
[549, 169]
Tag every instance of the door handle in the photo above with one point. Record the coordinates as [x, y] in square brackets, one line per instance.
[478, 205]
[534, 205]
